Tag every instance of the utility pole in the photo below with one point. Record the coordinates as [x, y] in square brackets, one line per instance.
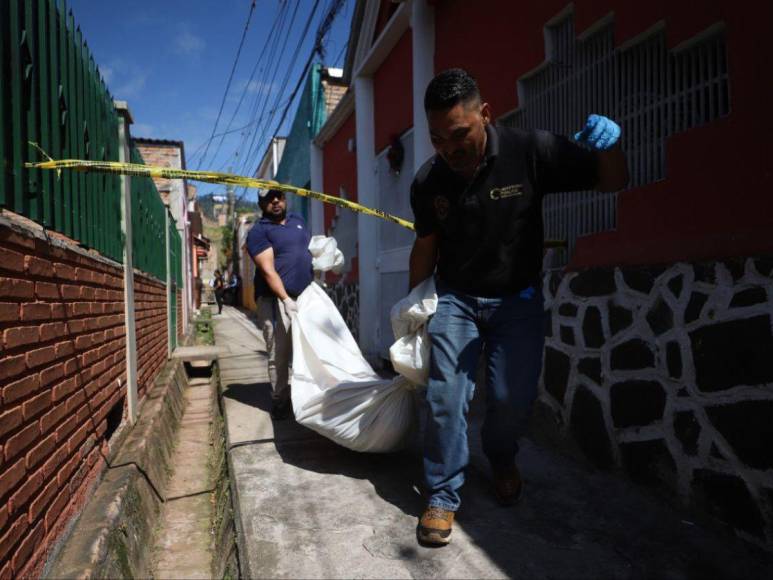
[233, 224]
[230, 206]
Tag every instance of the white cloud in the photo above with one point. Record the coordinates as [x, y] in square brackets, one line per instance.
[132, 86]
[206, 114]
[107, 73]
[143, 130]
[258, 87]
[125, 80]
[249, 89]
[186, 43]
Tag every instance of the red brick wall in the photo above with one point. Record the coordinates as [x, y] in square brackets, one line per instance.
[150, 314]
[62, 369]
[161, 155]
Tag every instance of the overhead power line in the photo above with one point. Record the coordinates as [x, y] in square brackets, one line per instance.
[274, 32]
[228, 84]
[227, 132]
[317, 49]
[267, 55]
[258, 138]
[256, 142]
[324, 27]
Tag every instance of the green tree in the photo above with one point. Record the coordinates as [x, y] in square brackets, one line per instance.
[226, 247]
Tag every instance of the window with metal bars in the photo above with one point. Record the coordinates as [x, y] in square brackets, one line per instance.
[650, 91]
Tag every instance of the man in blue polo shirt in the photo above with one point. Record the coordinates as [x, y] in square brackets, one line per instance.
[279, 246]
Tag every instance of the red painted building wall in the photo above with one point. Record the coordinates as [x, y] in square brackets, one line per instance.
[393, 93]
[715, 201]
[340, 171]
[386, 10]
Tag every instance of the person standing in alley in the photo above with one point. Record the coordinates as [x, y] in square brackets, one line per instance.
[233, 289]
[478, 218]
[279, 245]
[218, 286]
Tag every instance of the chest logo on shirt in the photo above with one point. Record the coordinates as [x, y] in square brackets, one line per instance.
[442, 205]
[514, 190]
[299, 226]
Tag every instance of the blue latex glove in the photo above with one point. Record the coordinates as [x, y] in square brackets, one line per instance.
[599, 133]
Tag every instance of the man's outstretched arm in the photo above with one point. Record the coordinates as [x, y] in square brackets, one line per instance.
[603, 136]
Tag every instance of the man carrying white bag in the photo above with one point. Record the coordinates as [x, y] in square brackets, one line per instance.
[335, 391]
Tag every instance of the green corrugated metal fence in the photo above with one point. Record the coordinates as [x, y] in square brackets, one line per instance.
[52, 93]
[175, 253]
[148, 223]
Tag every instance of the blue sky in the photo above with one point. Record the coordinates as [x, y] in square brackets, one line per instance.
[171, 60]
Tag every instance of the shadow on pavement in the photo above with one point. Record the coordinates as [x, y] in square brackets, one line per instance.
[257, 395]
[394, 476]
[573, 522]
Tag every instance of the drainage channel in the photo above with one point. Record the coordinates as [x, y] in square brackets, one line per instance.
[162, 507]
[194, 536]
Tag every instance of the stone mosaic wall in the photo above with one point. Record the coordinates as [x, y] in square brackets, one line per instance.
[347, 298]
[668, 374]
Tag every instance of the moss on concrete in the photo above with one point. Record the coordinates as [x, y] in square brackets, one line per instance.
[225, 563]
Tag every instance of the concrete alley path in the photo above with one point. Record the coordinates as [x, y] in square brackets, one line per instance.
[307, 508]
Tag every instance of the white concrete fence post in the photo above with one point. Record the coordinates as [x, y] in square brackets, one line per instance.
[169, 324]
[124, 156]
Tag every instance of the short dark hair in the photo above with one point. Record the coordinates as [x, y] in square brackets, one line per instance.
[449, 88]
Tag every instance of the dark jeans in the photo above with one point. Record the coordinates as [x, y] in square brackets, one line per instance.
[510, 330]
[232, 296]
[219, 300]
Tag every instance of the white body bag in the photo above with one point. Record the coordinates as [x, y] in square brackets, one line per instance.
[337, 393]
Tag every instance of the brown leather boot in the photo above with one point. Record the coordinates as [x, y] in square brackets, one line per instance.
[508, 485]
[435, 526]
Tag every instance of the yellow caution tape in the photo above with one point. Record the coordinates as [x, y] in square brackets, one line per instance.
[222, 178]
[212, 177]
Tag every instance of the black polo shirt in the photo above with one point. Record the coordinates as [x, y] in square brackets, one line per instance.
[490, 230]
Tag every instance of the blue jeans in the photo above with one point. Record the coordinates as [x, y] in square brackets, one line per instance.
[510, 330]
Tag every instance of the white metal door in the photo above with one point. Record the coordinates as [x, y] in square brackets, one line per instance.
[394, 242]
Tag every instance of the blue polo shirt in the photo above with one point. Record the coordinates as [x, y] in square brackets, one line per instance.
[292, 259]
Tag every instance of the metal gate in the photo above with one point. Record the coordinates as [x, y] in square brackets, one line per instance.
[651, 91]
